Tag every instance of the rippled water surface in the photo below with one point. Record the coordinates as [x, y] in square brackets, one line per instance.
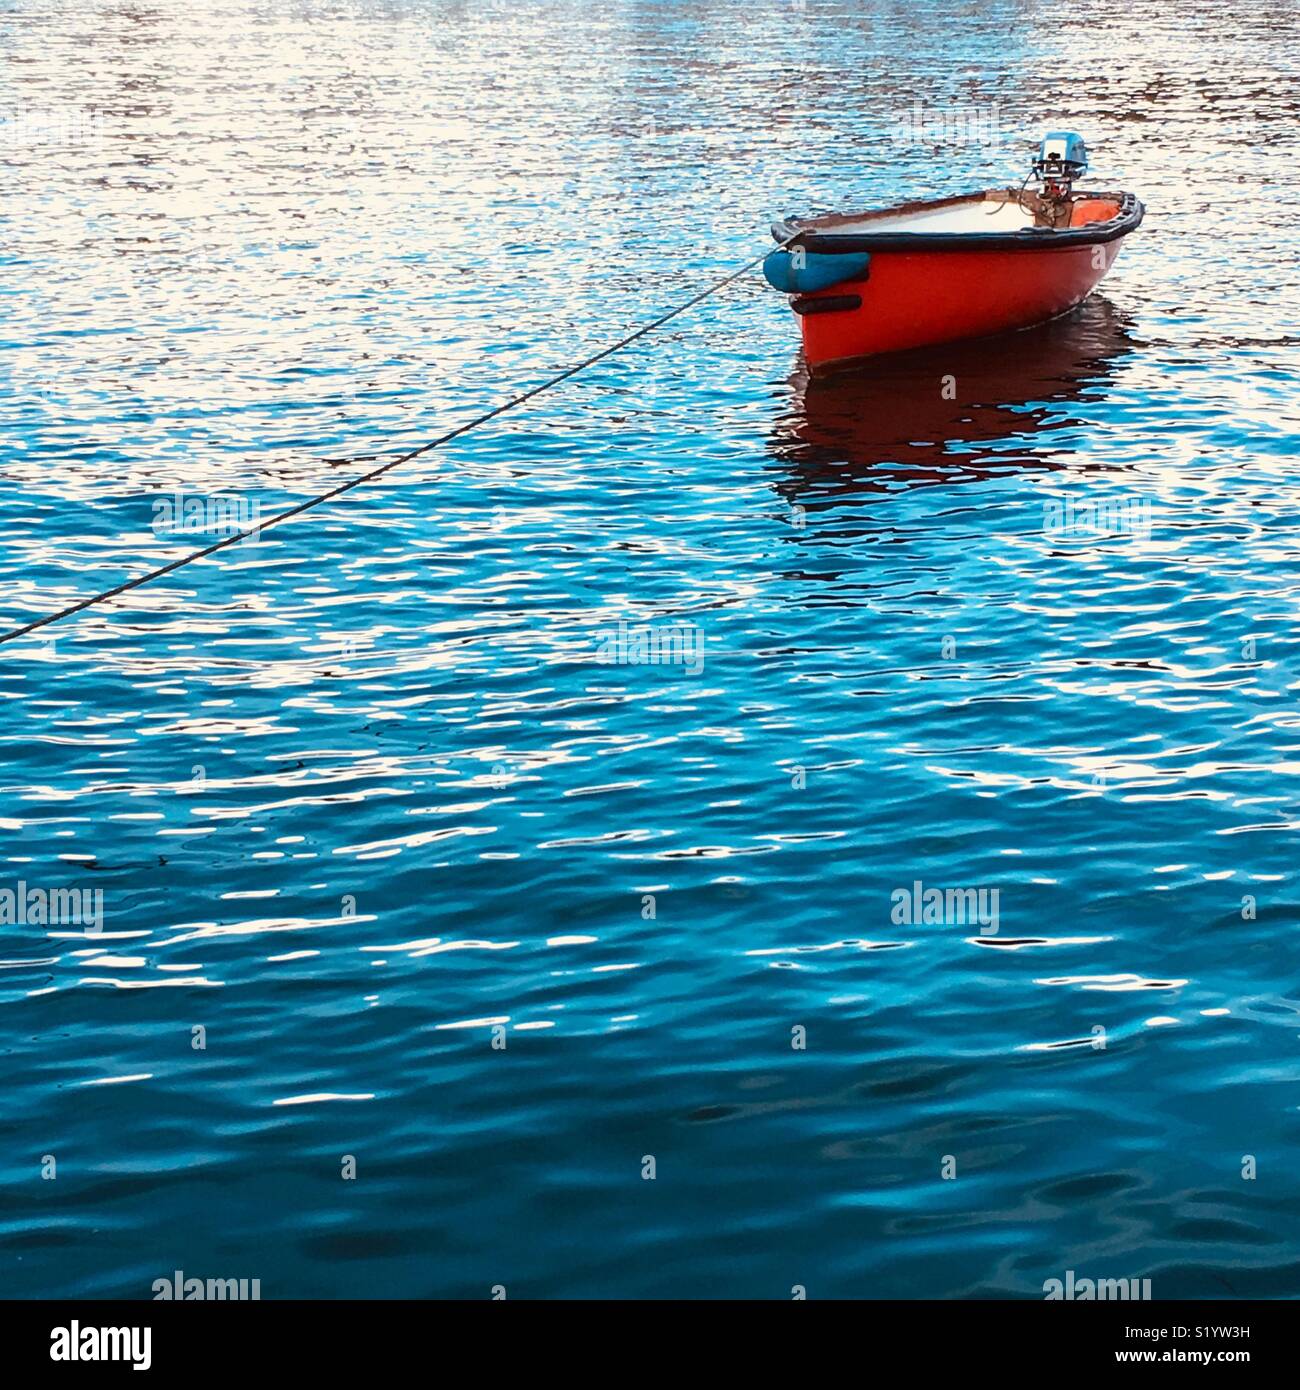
[393, 867]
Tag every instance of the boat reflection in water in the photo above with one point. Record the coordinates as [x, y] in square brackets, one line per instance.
[947, 414]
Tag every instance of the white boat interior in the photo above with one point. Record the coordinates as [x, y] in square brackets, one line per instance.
[985, 215]
[991, 213]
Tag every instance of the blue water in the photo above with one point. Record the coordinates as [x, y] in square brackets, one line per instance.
[446, 895]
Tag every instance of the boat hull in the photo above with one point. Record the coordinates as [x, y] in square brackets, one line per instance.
[944, 270]
[912, 299]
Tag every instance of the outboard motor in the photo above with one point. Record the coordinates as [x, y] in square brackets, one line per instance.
[1062, 158]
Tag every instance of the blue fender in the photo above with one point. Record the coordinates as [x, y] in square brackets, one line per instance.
[803, 272]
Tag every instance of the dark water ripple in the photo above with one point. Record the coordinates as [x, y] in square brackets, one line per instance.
[360, 794]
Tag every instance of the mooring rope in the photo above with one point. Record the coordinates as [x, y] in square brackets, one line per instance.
[236, 537]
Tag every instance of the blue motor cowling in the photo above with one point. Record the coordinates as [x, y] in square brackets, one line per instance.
[1062, 158]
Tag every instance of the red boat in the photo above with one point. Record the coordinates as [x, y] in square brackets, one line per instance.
[950, 268]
